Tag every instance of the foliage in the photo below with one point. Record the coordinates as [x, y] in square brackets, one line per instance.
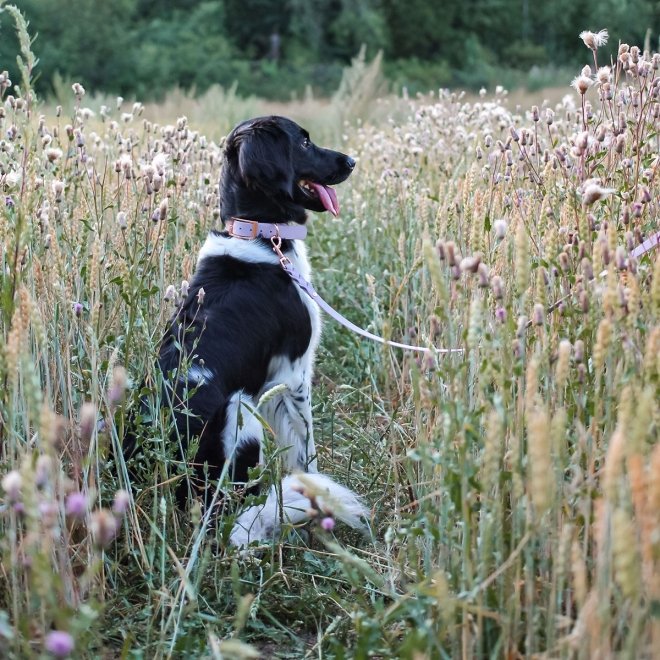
[515, 486]
[141, 48]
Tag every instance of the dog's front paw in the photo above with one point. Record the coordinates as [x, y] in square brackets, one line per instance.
[251, 526]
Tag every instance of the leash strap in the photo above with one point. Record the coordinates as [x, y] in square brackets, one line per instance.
[309, 289]
[651, 242]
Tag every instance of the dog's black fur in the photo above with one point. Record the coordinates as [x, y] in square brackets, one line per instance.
[251, 327]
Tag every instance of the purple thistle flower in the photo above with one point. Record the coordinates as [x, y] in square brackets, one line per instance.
[121, 503]
[77, 308]
[328, 523]
[59, 643]
[76, 505]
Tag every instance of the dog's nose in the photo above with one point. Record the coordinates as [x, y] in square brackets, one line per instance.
[350, 162]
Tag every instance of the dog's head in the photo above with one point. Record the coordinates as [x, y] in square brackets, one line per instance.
[274, 172]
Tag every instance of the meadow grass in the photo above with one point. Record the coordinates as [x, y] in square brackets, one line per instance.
[515, 488]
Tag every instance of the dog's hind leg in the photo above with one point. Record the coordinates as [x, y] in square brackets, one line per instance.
[290, 415]
[242, 437]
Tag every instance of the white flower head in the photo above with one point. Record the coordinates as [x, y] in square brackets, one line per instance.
[160, 162]
[582, 84]
[594, 40]
[592, 191]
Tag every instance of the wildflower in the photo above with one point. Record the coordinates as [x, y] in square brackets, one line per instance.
[170, 293]
[582, 84]
[75, 505]
[87, 420]
[592, 192]
[185, 285]
[200, 295]
[78, 90]
[48, 512]
[121, 502]
[497, 287]
[59, 643]
[162, 209]
[604, 75]
[53, 154]
[594, 40]
[77, 308]
[470, 264]
[499, 228]
[328, 523]
[500, 314]
[483, 275]
[42, 469]
[121, 220]
[12, 483]
[117, 386]
[160, 162]
[104, 527]
[563, 361]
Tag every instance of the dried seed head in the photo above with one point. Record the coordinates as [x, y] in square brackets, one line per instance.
[87, 421]
[470, 264]
[538, 315]
[594, 40]
[121, 502]
[104, 527]
[497, 287]
[563, 363]
[593, 192]
[499, 228]
[12, 483]
[170, 293]
[581, 84]
[117, 388]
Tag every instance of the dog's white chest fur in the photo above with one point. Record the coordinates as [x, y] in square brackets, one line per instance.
[217, 245]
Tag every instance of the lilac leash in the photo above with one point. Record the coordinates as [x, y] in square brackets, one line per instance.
[309, 289]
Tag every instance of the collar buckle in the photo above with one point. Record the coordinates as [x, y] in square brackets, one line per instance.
[247, 230]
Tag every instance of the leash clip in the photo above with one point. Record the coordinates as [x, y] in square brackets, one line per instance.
[276, 242]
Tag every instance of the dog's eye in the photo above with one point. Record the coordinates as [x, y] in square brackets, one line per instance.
[305, 143]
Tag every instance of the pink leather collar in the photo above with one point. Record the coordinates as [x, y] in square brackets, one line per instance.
[249, 229]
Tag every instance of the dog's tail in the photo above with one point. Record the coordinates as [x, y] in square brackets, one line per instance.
[303, 496]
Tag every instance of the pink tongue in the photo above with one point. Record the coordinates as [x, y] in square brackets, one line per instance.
[327, 196]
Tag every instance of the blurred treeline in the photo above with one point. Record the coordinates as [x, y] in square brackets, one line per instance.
[279, 48]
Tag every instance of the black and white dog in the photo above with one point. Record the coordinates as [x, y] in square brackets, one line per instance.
[246, 327]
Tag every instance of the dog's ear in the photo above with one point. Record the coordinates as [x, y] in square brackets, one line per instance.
[265, 158]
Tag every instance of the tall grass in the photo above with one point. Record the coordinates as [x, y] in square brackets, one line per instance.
[515, 488]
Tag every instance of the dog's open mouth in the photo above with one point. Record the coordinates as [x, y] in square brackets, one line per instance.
[325, 194]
